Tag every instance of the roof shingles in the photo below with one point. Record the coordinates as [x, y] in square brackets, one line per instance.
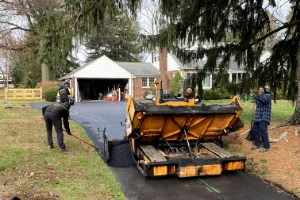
[139, 68]
[135, 68]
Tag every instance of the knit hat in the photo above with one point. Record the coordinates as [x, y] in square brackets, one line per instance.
[263, 87]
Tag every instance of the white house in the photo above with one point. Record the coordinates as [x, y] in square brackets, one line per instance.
[3, 81]
[235, 72]
[103, 74]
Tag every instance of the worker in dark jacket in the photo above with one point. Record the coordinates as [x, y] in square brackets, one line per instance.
[63, 94]
[262, 118]
[67, 84]
[188, 94]
[53, 114]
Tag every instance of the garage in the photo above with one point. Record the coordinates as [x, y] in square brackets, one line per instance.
[97, 89]
[104, 77]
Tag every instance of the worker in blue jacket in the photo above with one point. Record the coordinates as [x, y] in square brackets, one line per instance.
[262, 118]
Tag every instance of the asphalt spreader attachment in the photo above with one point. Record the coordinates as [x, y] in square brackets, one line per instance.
[108, 144]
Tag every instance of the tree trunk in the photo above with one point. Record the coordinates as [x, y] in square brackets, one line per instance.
[295, 118]
[45, 72]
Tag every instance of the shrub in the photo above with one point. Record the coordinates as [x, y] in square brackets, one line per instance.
[46, 85]
[211, 95]
[175, 85]
[51, 93]
[216, 94]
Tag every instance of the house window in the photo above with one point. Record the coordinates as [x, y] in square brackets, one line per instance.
[151, 81]
[147, 82]
[188, 75]
[144, 82]
[206, 81]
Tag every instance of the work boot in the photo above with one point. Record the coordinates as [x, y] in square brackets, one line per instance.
[264, 150]
[63, 149]
[50, 146]
[255, 147]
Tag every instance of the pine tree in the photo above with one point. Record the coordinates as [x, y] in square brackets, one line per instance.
[175, 85]
[195, 22]
[117, 39]
[54, 28]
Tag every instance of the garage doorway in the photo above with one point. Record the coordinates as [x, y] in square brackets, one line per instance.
[97, 89]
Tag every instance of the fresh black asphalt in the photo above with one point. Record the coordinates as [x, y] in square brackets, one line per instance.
[94, 116]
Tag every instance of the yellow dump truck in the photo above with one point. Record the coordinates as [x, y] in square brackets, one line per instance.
[178, 137]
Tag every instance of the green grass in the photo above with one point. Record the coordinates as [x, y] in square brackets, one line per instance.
[281, 110]
[233, 148]
[30, 171]
[258, 169]
[262, 160]
[2, 93]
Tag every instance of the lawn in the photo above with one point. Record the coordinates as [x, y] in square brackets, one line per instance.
[2, 93]
[30, 171]
[281, 110]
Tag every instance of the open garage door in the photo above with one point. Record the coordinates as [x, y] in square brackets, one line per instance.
[95, 89]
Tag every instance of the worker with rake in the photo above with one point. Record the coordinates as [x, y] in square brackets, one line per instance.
[52, 115]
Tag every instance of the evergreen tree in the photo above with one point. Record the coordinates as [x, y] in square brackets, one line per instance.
[53, 27]
[175, 85]
[117, 39]
[26, 71]
[195, 22]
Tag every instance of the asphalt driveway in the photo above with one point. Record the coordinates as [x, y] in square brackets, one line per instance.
[237, 185]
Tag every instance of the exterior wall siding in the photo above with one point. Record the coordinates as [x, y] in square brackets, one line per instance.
[103, 67]
[137, 87]
[172, 64]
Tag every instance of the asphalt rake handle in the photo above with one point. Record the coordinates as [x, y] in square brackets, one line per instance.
[78, 138]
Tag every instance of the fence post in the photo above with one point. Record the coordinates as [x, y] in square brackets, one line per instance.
[23, 94]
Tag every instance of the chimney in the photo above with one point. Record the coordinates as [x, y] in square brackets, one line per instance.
[163, 64]
[163, 68]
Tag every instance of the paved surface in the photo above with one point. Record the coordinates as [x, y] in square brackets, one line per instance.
[236, 185]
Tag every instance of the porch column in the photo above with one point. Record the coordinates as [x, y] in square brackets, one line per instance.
[130, 86]
[76, 89]
[236, 78]
[230, 77]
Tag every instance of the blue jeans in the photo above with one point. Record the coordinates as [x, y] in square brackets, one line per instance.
[260, 134]
[53, 119]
